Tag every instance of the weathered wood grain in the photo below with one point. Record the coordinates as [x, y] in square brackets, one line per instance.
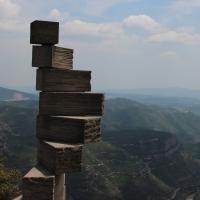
[69, 130]
[62, 57]
[44, 32]
[59, 158]
[71, 104]
[58, 80]
[52, 56]
[38, 184]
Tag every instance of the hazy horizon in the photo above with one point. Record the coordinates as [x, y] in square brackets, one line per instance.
[168, 91]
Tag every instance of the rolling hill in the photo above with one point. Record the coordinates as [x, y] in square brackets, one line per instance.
[140, 156]
[137, 164]
[178, 98]
[127, 114]
[14, 95]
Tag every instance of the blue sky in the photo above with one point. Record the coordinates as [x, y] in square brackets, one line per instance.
[126, 43]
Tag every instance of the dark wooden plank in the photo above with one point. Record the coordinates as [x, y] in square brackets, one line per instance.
[38, 184]
[44, 32]
[57, 80]
[69, 130]
[71, 104]
[59, 158]
[52, 57]
[41, 56]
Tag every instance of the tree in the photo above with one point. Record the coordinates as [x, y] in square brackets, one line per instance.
[9, 179]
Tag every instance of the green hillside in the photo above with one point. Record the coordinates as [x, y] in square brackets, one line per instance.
[17, 133]
[114, 170]
[138, 157]
[127, 114]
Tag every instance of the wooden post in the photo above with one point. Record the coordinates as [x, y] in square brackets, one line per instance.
[60, 191]
[69, 115]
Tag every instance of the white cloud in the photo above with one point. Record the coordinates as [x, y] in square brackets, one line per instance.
[112, 33]
[160, 33]
[175, 37]
[186, 29]
[78, 27]
[144, 22]
[9, 25]
[103, 45]
[105, 36]
[168, 54]
[97, 7]
[9, 16]
[8, 9]
[185, 6]
[113, 30]
[55, 14]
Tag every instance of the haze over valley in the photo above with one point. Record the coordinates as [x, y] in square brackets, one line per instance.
[151, 146]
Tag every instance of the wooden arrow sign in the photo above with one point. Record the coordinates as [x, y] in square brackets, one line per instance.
[44, 32]
[70, 130]
[52, 56]
[58, 80]
[59, 158]
[71, 104]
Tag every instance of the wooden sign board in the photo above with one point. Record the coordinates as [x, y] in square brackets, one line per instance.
[52, 56]
[58, 80]
[59, 158]
[38, 184]
[70, 130]
[71, 104]
[44, 32]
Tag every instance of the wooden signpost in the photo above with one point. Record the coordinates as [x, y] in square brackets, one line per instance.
[69, 115]
[52, 56]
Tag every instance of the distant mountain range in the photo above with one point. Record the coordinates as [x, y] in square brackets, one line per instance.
[142, 155]
[159, 92]
[146, 92]
[14, 95]
[135, 163]
[181, 99]
[127, 115]
[178, 98]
